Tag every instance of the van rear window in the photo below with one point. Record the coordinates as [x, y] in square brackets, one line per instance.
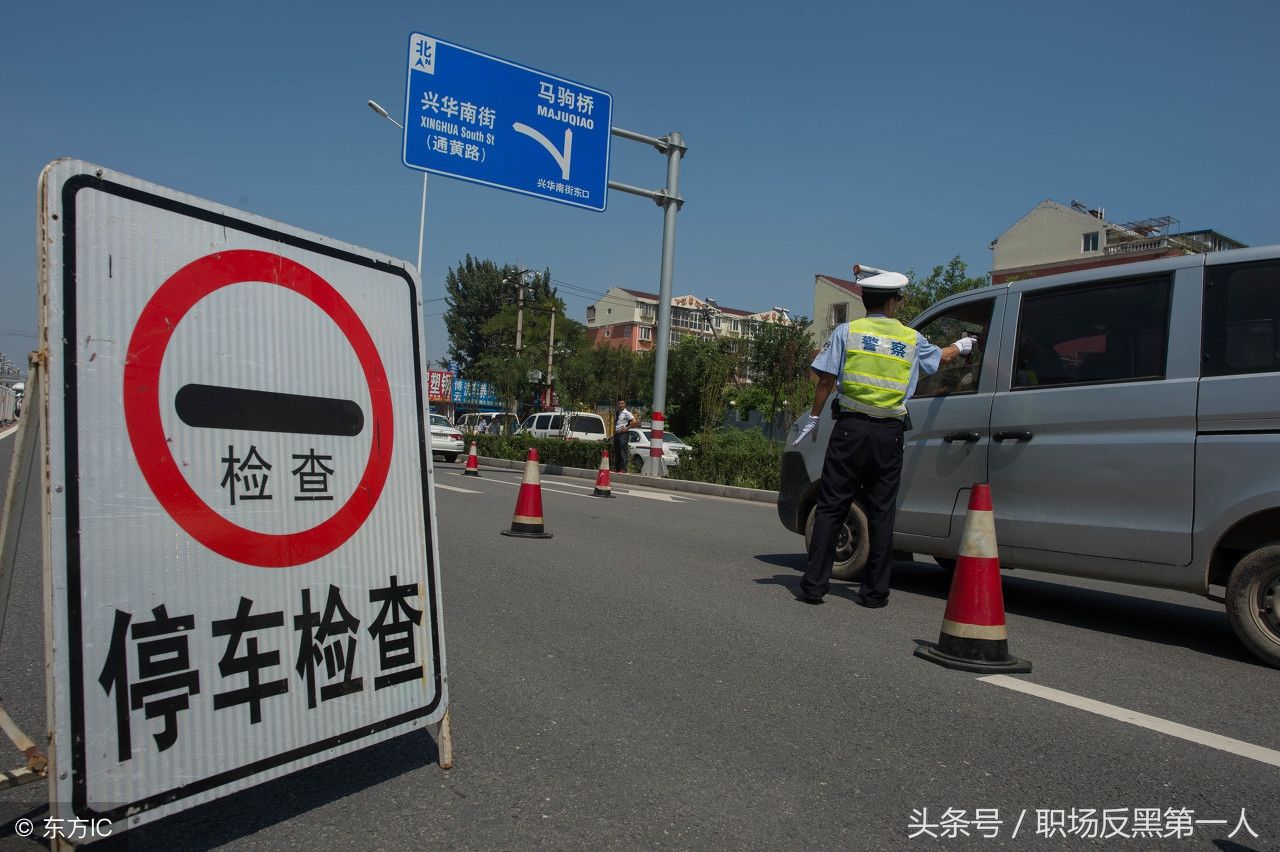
[1241, 313]
[1110, 332]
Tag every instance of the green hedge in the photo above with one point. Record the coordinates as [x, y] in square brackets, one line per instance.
[583, 454]
[746, 459]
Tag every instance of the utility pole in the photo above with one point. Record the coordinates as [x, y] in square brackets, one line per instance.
[519, 278]
[520, 310]
[551, 346]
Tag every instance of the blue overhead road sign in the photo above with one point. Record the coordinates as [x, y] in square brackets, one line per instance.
[480, 118]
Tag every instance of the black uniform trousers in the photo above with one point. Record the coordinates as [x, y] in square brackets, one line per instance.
[620, 445]
[863, 464]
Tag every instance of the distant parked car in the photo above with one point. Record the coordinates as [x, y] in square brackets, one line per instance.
[495, 422]
[445, 439]
[640, 440]
[570, 425]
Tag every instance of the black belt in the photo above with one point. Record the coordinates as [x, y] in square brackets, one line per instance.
[861, 416]
[904, 421]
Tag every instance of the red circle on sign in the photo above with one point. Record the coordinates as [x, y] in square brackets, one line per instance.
[147, 346]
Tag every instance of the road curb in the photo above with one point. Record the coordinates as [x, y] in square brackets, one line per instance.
[757, 495]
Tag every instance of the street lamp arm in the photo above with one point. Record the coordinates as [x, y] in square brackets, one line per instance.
[376, 107]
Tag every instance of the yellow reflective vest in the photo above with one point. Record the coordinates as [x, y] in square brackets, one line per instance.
[877, 367]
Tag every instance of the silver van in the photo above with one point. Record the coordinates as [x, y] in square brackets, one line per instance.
[1127, 419]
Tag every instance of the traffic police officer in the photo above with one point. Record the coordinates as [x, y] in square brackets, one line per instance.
[877, 361]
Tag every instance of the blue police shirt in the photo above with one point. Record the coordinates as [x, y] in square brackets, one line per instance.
[831, 358]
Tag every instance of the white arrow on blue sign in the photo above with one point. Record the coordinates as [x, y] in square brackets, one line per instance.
[483, 119]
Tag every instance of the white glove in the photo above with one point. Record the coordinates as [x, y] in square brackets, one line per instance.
[964, 344]
[808, 425]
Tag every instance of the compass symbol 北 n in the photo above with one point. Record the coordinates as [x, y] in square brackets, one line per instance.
[332, 446]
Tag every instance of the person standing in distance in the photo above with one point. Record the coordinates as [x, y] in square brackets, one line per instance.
[621, 426]
[876, 361]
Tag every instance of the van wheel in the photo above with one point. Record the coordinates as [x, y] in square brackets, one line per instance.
[450, 458]
[1253, 602]
[852, 544]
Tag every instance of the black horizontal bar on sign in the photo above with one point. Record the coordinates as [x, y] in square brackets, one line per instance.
[215, 407]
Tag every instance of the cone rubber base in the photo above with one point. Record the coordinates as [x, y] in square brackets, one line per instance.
[526, 534]
[600, 492]
[1013, 665]
[471, 473]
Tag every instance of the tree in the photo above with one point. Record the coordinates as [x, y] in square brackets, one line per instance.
[942, 282]
[598, 376]
[476, 291]
[699, 372]
[510, 371]
[779, 360]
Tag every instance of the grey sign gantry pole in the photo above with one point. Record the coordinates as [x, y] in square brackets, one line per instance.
[673, 147]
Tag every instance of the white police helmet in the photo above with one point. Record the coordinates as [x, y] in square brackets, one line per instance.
[878, 279]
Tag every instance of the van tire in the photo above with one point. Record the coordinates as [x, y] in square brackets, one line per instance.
[852, 543]
[450, 458]
[1253, 602]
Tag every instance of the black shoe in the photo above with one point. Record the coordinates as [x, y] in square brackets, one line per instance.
[872, 603]
[809, 599]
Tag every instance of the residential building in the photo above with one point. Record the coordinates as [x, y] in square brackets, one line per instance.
[1055, 238]
[835, 301]
[629, 318]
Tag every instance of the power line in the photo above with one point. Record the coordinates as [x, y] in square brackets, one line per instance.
[571, 286]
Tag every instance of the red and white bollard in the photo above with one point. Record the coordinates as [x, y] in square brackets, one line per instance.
[654, 467]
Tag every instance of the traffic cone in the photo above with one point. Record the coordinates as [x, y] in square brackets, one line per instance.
[527, 521]
[602, 477]
[974, 637]
[473, 462]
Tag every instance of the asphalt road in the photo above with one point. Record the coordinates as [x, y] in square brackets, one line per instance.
[645, 679]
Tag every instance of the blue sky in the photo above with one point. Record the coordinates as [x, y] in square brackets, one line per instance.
[820, 134]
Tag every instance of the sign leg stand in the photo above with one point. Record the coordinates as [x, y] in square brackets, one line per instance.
[444, 742]
[15, 505]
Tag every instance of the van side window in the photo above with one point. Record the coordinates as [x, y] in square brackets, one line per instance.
[557, 422]
[544, 421]
[961, 375]
[1242, 319]
[1109, 332]
[587, 425]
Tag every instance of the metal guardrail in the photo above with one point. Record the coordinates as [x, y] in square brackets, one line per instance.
[1136, 247]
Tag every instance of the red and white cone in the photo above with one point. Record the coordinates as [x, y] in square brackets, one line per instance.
[527, 521]
[603, 488]
[974, 637]
[473, 462]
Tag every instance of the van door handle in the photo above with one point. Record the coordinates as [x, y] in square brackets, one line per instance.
[966, 437]
[1012, 436]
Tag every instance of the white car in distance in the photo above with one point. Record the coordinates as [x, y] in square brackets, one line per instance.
[445, 439]
[639, 442]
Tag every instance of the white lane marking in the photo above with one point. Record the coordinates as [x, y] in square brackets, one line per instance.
[669, 498]
[459, 490]
[543, 487]
[7, 432]
[666, 498]
[1142, 720]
